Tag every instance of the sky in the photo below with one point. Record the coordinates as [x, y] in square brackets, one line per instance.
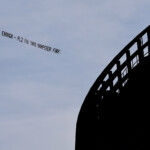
[41, 92]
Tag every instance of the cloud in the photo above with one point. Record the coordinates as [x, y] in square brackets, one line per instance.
[41, 93]
[43, 132]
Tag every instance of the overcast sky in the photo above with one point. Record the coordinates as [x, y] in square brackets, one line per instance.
[41, 92]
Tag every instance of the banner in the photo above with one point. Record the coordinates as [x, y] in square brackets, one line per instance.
[29, 42]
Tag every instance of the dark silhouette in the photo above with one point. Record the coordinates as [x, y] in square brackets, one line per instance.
[115, 112]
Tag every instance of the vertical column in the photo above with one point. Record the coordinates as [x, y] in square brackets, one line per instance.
[148, 37]
[119, 75]
[111, 80]
[140, 50]
[128, 61]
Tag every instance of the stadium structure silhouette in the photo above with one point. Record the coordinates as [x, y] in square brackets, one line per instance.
[115, 112]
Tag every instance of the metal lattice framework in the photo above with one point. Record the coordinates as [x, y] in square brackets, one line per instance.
[108, 86]
[116, 74]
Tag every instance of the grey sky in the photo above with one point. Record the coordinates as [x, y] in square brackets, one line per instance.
[41, 92]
